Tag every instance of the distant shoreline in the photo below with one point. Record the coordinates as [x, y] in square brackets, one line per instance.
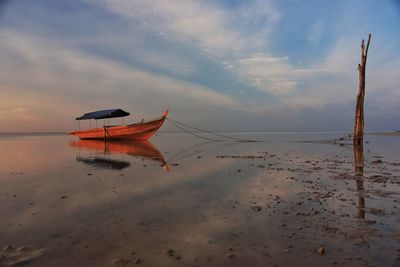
[395, 133]
[31, 133]
[383, 133]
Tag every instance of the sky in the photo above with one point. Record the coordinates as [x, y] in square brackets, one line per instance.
[223, 65]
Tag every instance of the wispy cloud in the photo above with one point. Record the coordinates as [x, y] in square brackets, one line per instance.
[215, 29]
[230, 36]
[272, 74]
[62, 77]
[315, 33]
[212, 61]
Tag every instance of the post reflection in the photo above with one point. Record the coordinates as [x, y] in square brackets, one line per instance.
[99, 152]
[359, 177]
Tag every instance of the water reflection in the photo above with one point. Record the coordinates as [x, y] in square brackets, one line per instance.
[99, 162]
[99, 152]
[218, 200]
[359, 175]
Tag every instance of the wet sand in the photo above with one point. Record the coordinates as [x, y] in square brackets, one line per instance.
[273, 203]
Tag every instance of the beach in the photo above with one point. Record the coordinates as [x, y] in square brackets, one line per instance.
[180, 201]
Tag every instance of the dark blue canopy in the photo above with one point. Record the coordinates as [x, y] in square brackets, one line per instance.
[104, 114]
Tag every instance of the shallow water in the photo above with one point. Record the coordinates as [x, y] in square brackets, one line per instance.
[181, 201]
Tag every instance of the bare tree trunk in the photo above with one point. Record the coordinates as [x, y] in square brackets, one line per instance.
[359, 114]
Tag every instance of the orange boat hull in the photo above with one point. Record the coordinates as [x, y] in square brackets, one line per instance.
[138, 131]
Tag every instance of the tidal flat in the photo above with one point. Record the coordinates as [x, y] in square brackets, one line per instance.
[181, 201]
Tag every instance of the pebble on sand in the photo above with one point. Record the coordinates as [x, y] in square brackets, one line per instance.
[256, 208]
[170, 252]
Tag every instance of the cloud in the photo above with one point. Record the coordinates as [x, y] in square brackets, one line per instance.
[232, 35]
[271, 74]
[69, 81]
[190, 21]
[212, 27]
[316, 32]
[215, 63]
[337, 79]
[237, 38]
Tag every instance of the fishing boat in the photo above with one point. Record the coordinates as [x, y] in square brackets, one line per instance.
[137, 131]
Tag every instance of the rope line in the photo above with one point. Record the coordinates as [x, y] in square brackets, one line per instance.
[189, 132]
[174, 122]
[181, 125]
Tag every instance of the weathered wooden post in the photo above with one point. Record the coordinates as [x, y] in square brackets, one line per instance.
[359, 113]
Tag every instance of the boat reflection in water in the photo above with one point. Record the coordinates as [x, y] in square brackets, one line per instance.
[99, 152]
[104, 163]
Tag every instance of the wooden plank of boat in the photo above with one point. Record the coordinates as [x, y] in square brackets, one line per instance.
[137, 131]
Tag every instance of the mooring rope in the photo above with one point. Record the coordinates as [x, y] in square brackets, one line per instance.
[181, 125]
[189, 132]
[237, 139]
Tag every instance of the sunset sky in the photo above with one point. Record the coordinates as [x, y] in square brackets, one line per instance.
[224, 65]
